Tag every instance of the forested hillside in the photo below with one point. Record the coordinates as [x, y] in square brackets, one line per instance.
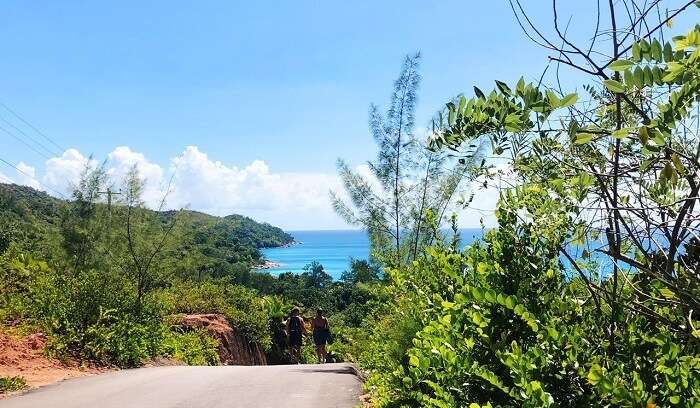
[106, 280]
[221, 244]
[109, 282]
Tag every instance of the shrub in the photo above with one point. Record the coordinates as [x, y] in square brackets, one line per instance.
[9, 384]
[502, 323]
[195, 347]
[242, 307]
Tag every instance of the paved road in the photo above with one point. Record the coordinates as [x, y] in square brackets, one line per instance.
[307, 386]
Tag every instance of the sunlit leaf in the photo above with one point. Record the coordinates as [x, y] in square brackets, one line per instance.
[614, 86]
[620, 65]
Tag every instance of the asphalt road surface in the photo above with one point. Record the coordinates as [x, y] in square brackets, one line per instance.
[307, 386]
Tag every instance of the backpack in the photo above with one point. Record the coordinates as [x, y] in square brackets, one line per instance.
[294, 324]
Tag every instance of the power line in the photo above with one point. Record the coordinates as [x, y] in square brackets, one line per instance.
[38, 143]
[5, 179]
[40, 153]
[30, 176]
[62, 149]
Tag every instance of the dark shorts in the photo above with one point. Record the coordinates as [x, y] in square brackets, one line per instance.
[295, 339]
[320, 337]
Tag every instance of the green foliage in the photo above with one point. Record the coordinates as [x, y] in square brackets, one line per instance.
[116, 271]
[406, 180]
[241, 306]
[117, 339]
[500, 323]
[9, 384]
[614, 193]
[361, 271]
[211, 246]
[193, 347]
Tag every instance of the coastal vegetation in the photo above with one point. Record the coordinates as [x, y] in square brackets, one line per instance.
[586, 292]
[106, 281]
[407, 180]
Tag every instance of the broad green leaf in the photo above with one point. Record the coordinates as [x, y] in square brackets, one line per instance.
[668, 171]
[503, 87]
[639, 77]
[595, 374]
[648, 76]
[643, 135]
[583, 138]
[614, 86]
[667, 293]
[658, 75]
[636, 52]
[646, 49]
[490, 296]
[656, 52]
[621, 133]
[668, 52]
[620, 65]
[678, 164]
[447, 305]
[553, 99]
[568, 100]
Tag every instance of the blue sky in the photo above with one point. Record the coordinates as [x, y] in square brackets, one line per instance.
[284, 83]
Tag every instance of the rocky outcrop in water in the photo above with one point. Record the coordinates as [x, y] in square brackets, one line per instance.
[234, 349]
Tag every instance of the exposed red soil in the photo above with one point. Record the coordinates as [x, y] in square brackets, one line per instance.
[23, 356]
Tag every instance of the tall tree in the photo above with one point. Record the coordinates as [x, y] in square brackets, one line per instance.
[405, 180]
[146, 237]
[622, 165]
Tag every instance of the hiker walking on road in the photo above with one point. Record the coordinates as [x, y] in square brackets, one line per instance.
[322, 335]
[295, 332]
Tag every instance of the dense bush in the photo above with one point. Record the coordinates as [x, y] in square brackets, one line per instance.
[502, 323]
[115, 273]
[243, 308]
[193, 347]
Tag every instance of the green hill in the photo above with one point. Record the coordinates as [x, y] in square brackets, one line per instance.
[219, 244]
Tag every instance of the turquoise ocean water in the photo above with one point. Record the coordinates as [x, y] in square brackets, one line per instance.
[333, 249]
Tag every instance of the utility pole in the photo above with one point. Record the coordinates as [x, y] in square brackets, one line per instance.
[109, 193]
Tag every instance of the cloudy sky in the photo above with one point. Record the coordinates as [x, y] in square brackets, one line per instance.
[245, 106]
[293, 200]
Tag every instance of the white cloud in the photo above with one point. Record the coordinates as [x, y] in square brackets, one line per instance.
[482, 208]
[26, 175]
[122, 159]
[5, 178]
[63, 173]
[292, 200]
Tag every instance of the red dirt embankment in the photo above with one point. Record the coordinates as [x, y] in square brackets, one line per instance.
[234, 349]
[23, 356]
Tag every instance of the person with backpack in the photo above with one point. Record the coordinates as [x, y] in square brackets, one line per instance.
[322, 335]
[295, 333]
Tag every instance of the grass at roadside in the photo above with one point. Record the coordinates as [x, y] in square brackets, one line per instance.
[9, 384]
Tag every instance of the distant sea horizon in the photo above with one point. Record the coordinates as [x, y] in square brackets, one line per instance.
[331, 248]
